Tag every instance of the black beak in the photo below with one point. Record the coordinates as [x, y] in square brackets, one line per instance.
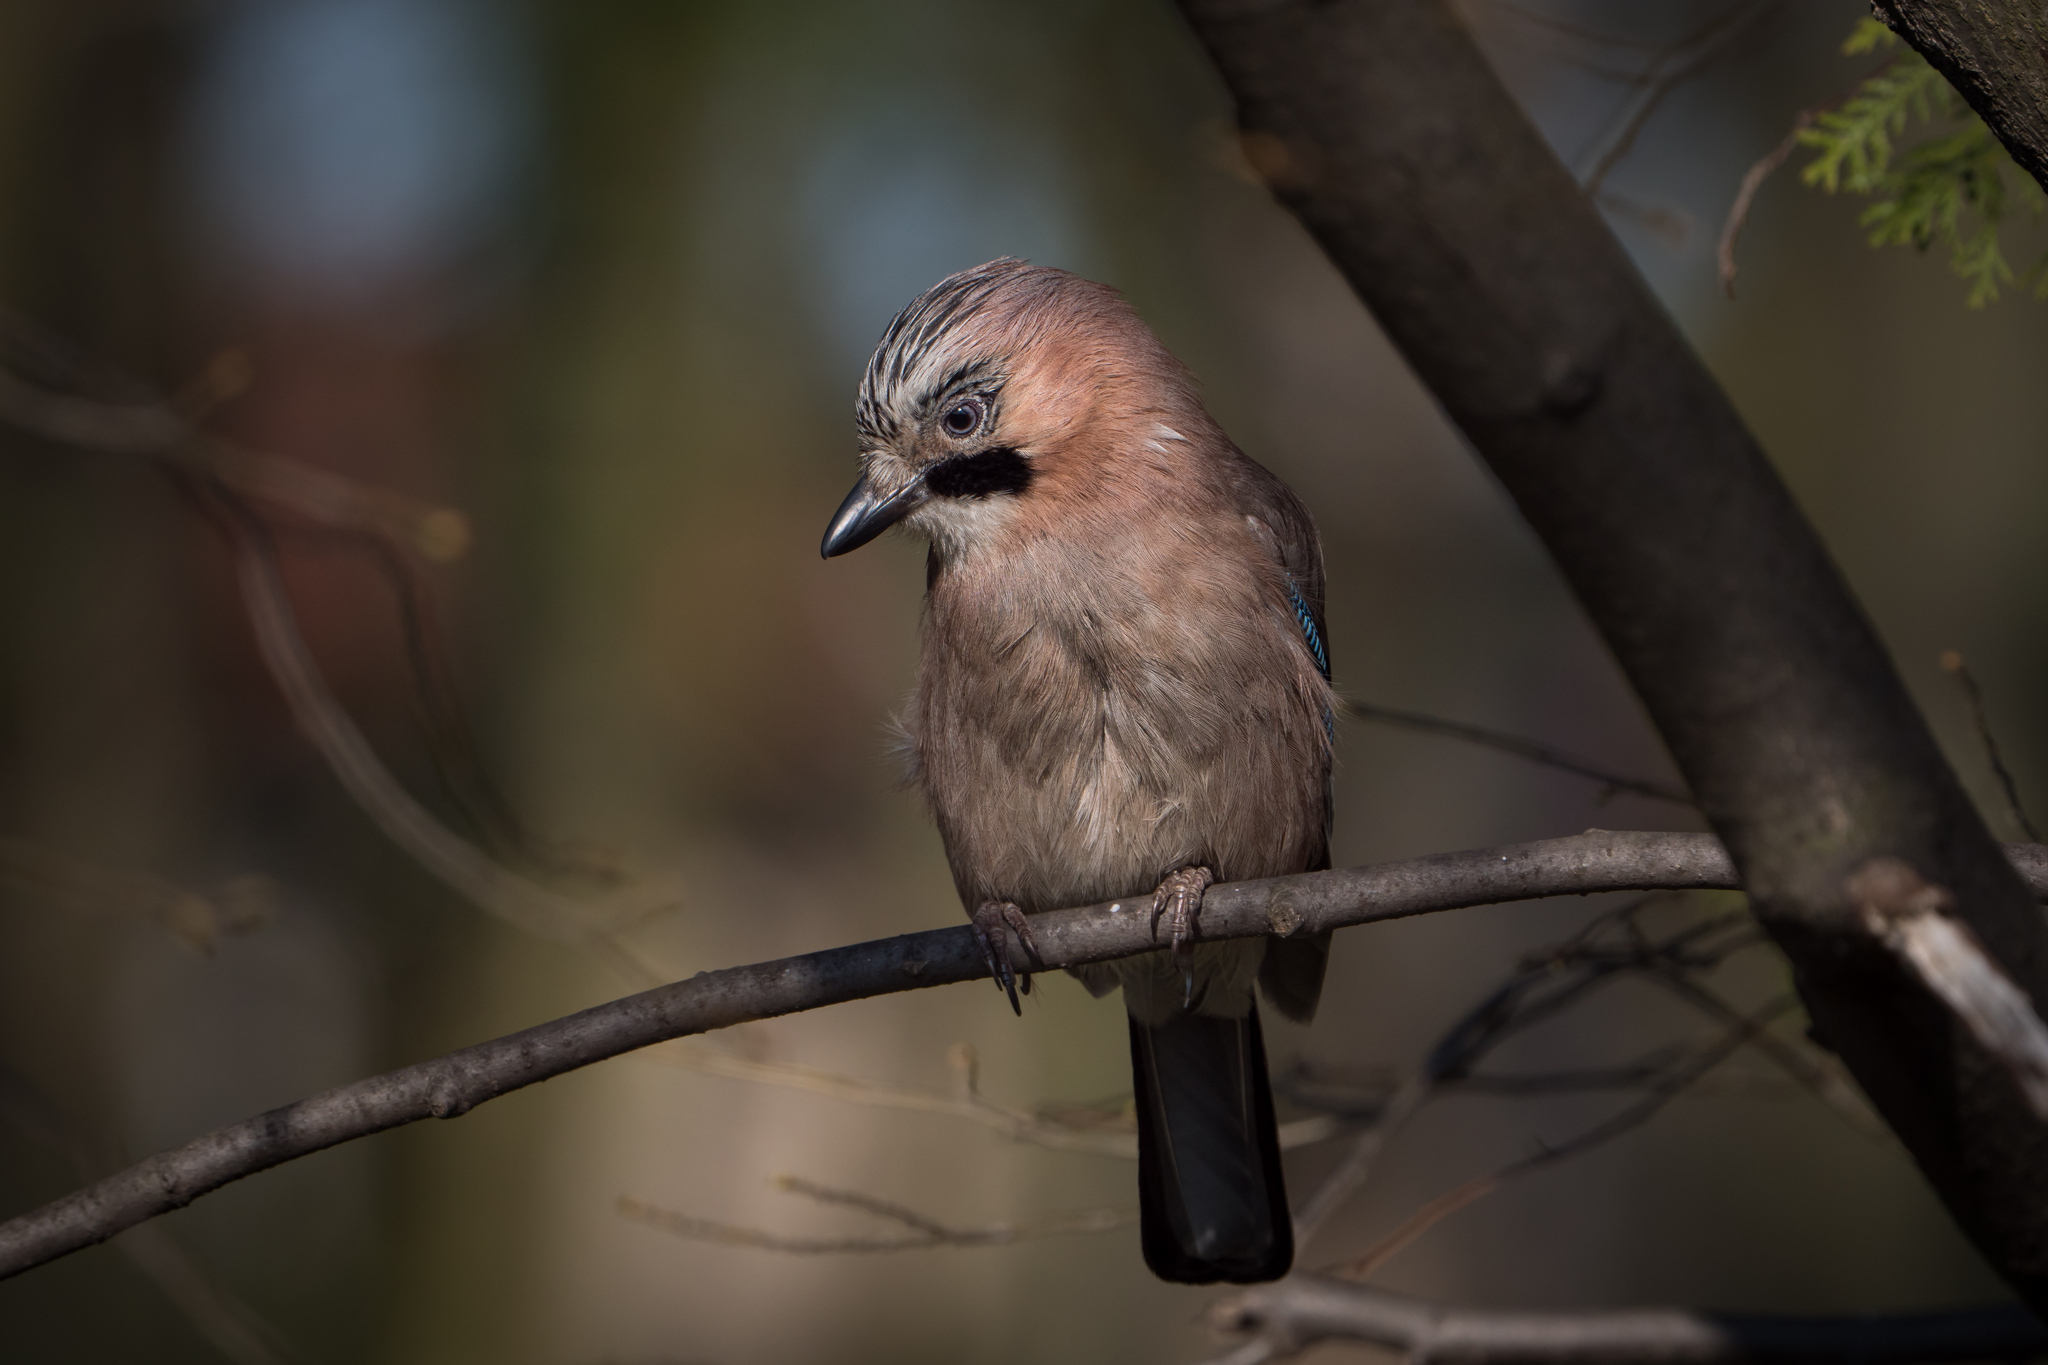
[863, 516]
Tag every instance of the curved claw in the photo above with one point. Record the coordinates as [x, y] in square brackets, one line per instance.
[989, 922]
[1179, 900]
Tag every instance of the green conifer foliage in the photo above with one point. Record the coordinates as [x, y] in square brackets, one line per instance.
[1949, 190]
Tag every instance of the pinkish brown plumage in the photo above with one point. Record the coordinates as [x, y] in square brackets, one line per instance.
[1122, 688]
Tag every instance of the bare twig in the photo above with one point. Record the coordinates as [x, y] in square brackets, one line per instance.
[1952, 661]
[1532, 750]
[1304, 1310]
[1534, 993]
[1752, 181]
[453, 1084]
[1813, 1076]
[1635, 1115]
[924, 1232]
[1350, 1174]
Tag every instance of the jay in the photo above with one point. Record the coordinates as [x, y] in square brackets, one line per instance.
[1123, 691]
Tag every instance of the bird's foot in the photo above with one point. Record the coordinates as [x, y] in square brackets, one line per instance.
[1179, 900]
[989, 922]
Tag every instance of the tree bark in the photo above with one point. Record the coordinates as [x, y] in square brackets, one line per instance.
[1995, 53]
[1381, 125]
[1304, 1310]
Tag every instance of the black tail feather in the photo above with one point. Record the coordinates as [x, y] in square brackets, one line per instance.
[1212, 1202]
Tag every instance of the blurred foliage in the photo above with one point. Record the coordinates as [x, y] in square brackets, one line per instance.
[1948, 190]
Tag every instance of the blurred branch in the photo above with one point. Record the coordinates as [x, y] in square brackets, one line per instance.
[1661, 1092]
[1660, 67]
[1544, 986]
[1814, 1075]
[217, 475]
[453, 1084]
[1666, 221]
[1670, 68]
[458, 864]
[924, 1232]
[1532, 750]
[159, 432]
[1101, 1133]
[1349, 1175]
[240, 905]
[1305, 1310]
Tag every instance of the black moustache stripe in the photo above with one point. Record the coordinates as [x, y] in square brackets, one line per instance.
[1001, 470]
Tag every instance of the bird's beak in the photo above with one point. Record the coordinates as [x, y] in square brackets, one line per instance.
[865, 515]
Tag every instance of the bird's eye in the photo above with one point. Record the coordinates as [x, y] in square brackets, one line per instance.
[962, 418]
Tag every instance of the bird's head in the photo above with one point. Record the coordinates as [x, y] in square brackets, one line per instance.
[1000, 394]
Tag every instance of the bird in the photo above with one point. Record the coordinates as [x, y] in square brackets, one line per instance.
[1123, 691]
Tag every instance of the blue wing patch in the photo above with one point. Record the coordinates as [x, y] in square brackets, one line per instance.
[1310, 636]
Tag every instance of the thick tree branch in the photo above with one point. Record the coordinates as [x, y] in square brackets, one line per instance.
[1995, 53]
[1307, 1309]
[447, 1086]
[1383, 128]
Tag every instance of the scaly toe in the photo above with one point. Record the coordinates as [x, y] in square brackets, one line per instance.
[989, 922]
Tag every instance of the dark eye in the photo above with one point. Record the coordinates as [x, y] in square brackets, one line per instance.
[962, 418]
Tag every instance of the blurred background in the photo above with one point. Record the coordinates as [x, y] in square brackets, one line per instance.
[601, 277]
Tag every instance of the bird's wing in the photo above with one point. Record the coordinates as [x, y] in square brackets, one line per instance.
[1283, 523]
[1292, 975]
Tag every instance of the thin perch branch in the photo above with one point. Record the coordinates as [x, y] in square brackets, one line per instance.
[455, 1083]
